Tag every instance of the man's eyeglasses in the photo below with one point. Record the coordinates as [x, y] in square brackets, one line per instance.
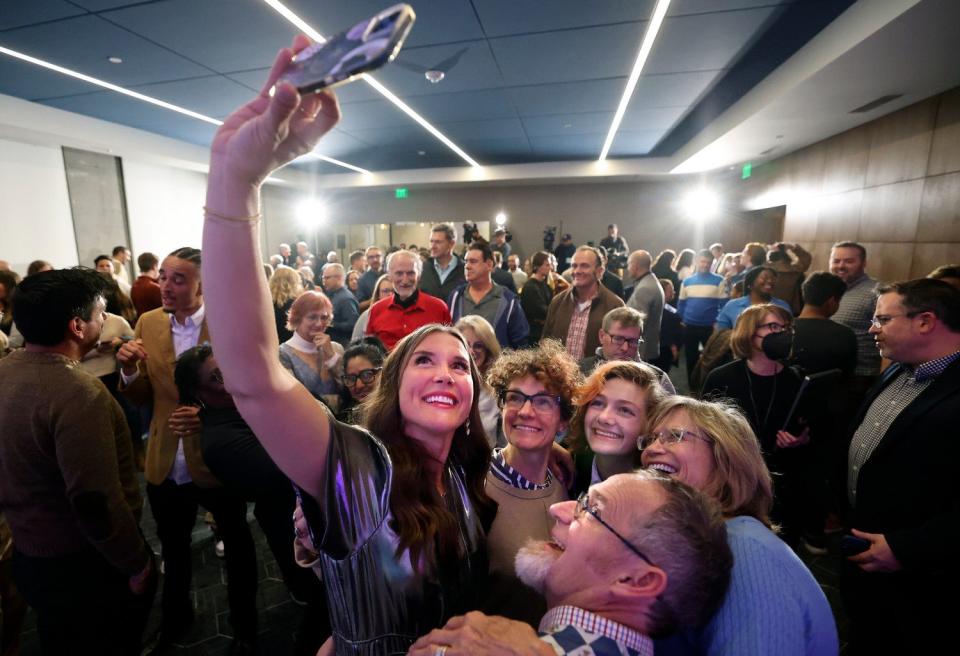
[584, 506]
[620, 340]
[366, 375]
[668, 437]
[541, 402]
[773, 326]
[882, 320]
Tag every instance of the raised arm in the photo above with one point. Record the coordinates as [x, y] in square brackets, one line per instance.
[256, 139]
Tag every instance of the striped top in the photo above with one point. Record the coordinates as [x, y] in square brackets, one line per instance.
[701, 296]
[504, 472]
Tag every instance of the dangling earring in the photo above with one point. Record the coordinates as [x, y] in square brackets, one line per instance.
[466, 427]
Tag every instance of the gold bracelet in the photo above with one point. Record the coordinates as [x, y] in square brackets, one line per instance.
[238, 219]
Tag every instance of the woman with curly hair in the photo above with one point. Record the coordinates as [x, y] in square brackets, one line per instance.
[285, 286]
[534, 388]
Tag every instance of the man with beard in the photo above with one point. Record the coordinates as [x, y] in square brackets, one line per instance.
[392, 319]
[848, 260]
[68, 487]
[639, 555]
[177, 478]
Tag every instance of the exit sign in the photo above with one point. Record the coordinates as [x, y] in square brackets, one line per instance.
[400, 192]
[746, 172]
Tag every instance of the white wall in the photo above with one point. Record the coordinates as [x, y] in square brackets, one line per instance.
[164, 206]
[35, 220]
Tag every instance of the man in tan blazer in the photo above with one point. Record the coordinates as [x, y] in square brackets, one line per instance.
[177, 478]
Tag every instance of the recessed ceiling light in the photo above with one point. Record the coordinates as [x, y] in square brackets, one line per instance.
[145, 98]
[567, 126]
[307, 29]
[656, 21]
[115, 60]
[421, 153]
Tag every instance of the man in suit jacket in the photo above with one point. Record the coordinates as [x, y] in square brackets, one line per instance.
[443, 272]
[902, 473]
[177, 478]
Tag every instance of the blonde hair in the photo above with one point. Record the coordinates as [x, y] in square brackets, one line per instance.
[740, 481]
[285, 285]
[741, 338]
[482, 328]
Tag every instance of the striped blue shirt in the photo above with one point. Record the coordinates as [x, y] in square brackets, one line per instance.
[701, 296]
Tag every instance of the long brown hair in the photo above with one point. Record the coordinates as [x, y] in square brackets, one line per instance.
[423, 523]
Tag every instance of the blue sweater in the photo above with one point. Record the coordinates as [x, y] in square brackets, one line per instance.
[732, 310]
[701, 296]
[773, 607]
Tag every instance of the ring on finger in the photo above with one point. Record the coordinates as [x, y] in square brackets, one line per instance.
[441, 650]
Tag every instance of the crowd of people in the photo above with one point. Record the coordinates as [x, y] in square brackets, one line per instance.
[452, 452]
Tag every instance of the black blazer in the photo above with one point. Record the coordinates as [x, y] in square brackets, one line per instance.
[430, 279]
[909, 488]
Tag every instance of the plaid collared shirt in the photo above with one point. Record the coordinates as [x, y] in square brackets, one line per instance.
[856, 313]
[577, 332]
[577, 632]
[900, 392]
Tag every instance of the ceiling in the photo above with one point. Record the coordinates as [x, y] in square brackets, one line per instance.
[537, 81]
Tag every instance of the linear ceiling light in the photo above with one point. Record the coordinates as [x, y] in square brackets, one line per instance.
[659, 12]
[305, 27]
[140, 96]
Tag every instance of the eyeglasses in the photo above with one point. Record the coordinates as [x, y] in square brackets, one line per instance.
[322, 318]
[882, 320]
[773, 326]
[478, 346]
[620, 340]
[366, 375]
[584, 506]
[541, 402]
[668, 437]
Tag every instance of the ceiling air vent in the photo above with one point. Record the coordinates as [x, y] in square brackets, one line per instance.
[873, 104]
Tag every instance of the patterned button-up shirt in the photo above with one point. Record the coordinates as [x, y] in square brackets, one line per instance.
[900, 392]
[577, 332]
[856, 313]
[574, 631]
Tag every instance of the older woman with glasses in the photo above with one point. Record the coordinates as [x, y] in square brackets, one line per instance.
[485, 350]
[765, 390]
[310, 354]
[534, 388]
[612, 407]
[773, 604]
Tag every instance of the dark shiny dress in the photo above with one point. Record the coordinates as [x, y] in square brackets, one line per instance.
[380, 603]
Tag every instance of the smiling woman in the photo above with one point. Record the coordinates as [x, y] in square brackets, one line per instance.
[398, 511]
[534, 389]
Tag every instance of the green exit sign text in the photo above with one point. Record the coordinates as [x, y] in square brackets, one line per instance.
[746, 172]
[400, 192]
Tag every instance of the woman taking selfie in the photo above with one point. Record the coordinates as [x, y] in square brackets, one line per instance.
[773, 604]
[396, 512]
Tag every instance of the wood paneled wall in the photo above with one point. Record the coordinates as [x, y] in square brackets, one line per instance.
[892, 184]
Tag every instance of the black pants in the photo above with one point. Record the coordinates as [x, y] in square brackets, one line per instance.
[693, 338]
[175, 510]
[83, 604]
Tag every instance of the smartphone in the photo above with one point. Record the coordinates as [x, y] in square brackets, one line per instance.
[365, 47]
[851, 545]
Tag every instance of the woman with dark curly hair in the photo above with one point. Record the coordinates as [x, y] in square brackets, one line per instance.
[534, 388]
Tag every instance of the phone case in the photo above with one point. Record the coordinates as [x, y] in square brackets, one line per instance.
[366, 46]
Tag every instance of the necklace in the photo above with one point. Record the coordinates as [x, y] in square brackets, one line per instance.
[753, 401]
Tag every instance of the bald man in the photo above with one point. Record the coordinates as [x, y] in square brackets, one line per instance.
[647, 297]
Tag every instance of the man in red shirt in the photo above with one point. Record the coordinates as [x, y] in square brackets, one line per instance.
[392, 319]
[145, 292]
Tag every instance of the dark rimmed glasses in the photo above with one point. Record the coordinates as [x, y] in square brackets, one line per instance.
[366, 375]
[620, 340]
[668, 437]
[584, 506]
[542, 402]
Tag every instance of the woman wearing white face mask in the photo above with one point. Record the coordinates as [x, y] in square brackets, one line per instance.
[612, 409]
[773, 604]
